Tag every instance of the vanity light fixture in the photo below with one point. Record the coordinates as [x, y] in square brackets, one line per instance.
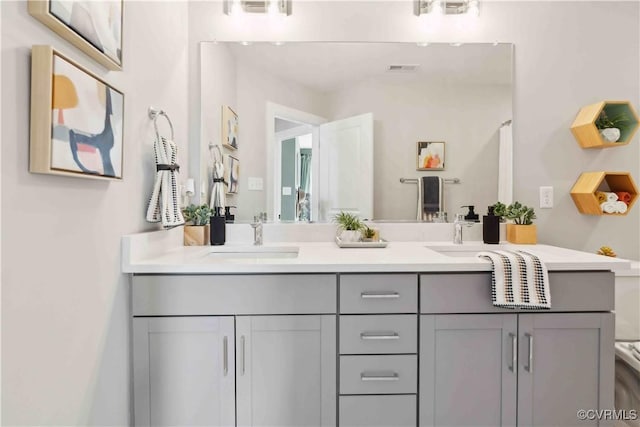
[446, 7]
[271, 7]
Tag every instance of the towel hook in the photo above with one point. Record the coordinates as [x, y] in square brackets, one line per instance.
[154, 113]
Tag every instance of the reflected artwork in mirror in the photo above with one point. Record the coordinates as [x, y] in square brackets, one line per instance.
[331, 127]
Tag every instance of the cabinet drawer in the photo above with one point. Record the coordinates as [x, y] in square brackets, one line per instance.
[377, 411]
[471, 292]
[379, 334]
[378, 293]
[378, 374]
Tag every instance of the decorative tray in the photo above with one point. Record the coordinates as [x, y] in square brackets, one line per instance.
[377, 244]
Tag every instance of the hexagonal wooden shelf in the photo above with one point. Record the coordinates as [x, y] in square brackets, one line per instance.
[587, 134]
[583, 191]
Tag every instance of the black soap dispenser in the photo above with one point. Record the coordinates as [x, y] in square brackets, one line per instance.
[471, 216]
[491, 227]
[217, 228]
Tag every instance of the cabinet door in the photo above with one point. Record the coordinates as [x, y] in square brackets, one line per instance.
[566, 364]
[184, 371]
[286, 370]
[468, 370]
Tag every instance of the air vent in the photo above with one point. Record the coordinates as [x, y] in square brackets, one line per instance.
[406, 68]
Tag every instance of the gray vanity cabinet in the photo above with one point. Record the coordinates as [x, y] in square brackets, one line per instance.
[563, 362]
[468, 375]
[286, 370]
[184, 371]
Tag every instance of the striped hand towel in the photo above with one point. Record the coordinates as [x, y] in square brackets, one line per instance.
[518, 280]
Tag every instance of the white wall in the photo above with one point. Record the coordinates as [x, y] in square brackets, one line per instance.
[466, 117]
[559, 67]
[65, 305]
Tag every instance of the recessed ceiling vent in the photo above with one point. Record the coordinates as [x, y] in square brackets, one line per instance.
[403, 68]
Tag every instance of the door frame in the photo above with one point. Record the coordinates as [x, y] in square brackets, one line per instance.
[274, 111]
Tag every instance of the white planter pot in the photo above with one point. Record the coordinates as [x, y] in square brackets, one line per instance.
[350, 236]
[610, 134]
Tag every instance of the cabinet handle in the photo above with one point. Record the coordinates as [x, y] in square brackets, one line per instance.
[242, 362]
[514, 351]
[529, 366]
[383, 294]
[225, 356]
[379, 336]
[393, 376]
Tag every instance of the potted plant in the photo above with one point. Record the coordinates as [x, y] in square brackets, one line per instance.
[522, 230]
[196, 230]
[369, 234]
[500, 210]
[349, 226]
[609, 127]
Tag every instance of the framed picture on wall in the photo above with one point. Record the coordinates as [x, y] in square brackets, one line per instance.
[229, 128]
[94, 27]
[76, 119]
[231, 174]
[430, 156]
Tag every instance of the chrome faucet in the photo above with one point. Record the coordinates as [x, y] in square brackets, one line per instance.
[457, 228]
[257, 230]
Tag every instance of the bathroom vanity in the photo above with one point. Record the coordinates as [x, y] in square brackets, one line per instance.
[402, 336]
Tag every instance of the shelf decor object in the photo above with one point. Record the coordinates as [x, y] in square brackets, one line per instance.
[94, 27]
[76, 119]
[584, 190]
[587, 133]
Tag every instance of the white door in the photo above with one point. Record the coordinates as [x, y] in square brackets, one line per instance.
[346, 167]
[286, 370]
[184, 371]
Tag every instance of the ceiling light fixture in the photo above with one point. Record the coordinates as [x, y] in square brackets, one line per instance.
[446, 7]
[271, 7]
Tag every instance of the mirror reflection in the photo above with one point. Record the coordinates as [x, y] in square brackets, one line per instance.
[325, 127]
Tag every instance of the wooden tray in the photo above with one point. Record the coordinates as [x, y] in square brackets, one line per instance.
[379, 244]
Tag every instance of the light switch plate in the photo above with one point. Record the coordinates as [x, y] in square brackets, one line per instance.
[286, 191]
[546, 197]
[254, 183]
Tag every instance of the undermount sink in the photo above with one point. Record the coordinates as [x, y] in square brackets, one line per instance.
[253, 252]
[463, 251]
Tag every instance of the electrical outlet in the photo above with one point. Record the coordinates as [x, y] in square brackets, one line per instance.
[254, 183]
[546, 197]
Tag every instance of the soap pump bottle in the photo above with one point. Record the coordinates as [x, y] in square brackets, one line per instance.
[491, 227]
[217, 232]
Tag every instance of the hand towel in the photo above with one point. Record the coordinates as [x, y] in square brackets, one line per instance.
[609, 207]
[431, 194]
[601, 196]
[164, 205]
[518, 280]
[621, 207]
[623, 196]
[611, 197]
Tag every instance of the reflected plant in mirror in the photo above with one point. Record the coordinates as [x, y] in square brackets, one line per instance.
[331, 127]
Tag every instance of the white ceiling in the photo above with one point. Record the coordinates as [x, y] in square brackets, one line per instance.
[330, 66]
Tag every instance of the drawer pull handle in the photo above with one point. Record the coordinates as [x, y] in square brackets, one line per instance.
[225, 356]
[393, 376]
[529, 366]
[379, 336]
[379, 295]
[514, 351]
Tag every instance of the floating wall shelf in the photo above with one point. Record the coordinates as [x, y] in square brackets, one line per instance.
[583, 191]
[587, 134]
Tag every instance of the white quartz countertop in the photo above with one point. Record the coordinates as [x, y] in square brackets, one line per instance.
[327, 257]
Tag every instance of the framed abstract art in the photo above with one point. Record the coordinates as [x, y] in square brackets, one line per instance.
[430, 156]
[76, 119]
[231, 174]
[229, 128]
[94, 27]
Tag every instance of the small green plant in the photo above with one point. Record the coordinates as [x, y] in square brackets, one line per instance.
[197, 215]
[500, 209]
[605, 122]
[348, 221]
[520, 214]
[368, 233]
